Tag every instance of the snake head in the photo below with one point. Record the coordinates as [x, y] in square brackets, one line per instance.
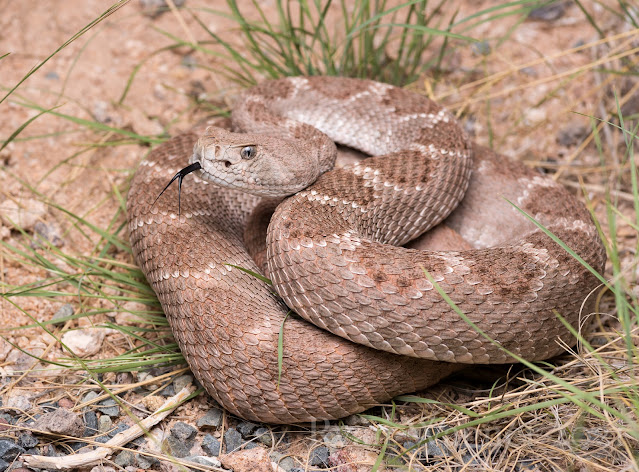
[255, 163]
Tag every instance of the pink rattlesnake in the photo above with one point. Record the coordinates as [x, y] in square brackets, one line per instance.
[329, 253]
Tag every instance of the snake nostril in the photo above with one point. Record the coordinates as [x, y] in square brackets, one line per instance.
[227, 163]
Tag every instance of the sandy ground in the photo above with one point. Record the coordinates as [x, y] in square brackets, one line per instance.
[533, 113]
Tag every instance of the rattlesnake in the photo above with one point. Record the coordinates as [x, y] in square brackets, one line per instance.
[328, 255]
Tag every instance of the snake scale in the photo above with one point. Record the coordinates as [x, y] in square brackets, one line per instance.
[378, 325]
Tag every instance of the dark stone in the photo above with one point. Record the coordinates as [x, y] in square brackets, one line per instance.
[109, 407]
[572, 135]
[550, 12]
[264, 436]
[481, 48]
[136, 443]
[63, 312]
[183, 431]
[49, 406]
[246, 428]
[118, 429]
[76, 445]
[4, 465]
[8, 418]
[27, 440]
[146, 462]
[90, 423]
[211, 445]
[124, 459]
[319, 457]
[213, 417]
[168, 391]
[9, 450]
[178, 447]
[232, 440]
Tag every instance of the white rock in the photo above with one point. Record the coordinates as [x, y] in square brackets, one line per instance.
[25, 214]
[84, 342]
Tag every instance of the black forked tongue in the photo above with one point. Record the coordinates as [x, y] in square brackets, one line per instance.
[180, 176]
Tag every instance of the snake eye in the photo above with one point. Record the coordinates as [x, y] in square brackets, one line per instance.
[248, 152]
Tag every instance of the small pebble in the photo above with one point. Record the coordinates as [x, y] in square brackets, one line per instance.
[319, 457]
[66, 403]
[211, 445]
[27, 440]
[60, 421]
[572, 135]
[168, 391]
[84, 342]
[287, 463]
[124, 378]
[124, 458]
[109, 407]
[154, 8]
[118, 429]
[77, 445]
[19, 403]
[232, 440]
[213, 417]
[145, 462]
[90, 423]
[182, 381]
[64, 311]
[4, 425]
[177, 447]
[26, 213]
[183, 431]
[246, 428]
[9, 450]
[52, 76]
[46, 233]
[90, 396]
[105, 424]
[481, 48]
[549, 12]
[189, 61]
[264, 436]
[204, 460]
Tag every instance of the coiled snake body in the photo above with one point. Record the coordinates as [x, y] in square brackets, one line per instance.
[329, 252]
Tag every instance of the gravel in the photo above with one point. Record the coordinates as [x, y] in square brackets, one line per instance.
[182, 381]
[9, 450]
[204, 460]
[264, 436]
[27, 440]
[232, 440]
[213, 418]
[60, 421]
[90, 423]
[109, 407]
[64, 311]
[287, 463]
[183, 431]
[211, 445]
[319, 457]
[246, 428]
[124, 459]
